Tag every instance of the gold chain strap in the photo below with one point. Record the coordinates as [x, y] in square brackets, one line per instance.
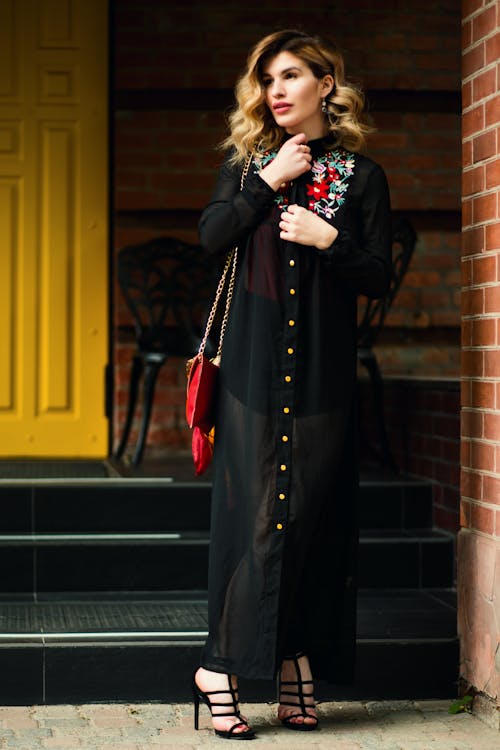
[231, 262]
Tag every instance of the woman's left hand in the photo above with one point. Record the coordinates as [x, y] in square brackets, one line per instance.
[299, 225]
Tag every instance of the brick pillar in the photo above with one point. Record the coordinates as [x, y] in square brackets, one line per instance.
[479, 537]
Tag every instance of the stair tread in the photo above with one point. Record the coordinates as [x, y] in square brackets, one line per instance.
[174, 536]
[386, 615]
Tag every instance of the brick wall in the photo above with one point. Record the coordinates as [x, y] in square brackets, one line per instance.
[479, 539]
[175, 66]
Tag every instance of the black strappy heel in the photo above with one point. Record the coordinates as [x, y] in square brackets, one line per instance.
[300, 695]
[229, 734]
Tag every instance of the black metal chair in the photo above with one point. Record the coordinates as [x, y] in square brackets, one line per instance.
[371, 323]
[166, 284]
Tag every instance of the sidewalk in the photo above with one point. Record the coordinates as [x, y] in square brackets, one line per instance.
[390, 725]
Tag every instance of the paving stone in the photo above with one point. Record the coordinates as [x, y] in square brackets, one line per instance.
[375, 725]
[19, 722]
[55, 712]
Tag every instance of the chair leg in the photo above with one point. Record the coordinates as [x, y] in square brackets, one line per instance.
[135, 376]
[377, 384]
[150, 377]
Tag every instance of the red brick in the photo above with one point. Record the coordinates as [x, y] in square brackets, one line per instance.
[473, 180]
[484, 146]
[492, 364]
[482, 394]
[472, 363]
[484, 22]
[482, 518]
[492, 239]
[471, 483]
[484, 84]
[491, 489]
[492, 111]
[452, 278]
[465, 385]
[470, 6]
[467, 213]
[484, 270]
[136, 200]
[473, 121]
[466, 153]
[492, 302]
[482, 456]
[434, 298]
[126, 178]
[492, 426]
[466, 34]
[465, 513]
[472, 424]
[484, 208]
[466, 333]
[472, 301]
[492, 170]
[473, 240]
[465, 452]
[484, 332]
[422, 278]
[493, 48]
[473, 60]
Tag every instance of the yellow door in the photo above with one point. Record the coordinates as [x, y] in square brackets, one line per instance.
[53, 227]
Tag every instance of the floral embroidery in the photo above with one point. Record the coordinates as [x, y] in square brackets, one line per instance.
[327, 188]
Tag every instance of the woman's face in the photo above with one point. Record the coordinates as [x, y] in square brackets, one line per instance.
[294, 94]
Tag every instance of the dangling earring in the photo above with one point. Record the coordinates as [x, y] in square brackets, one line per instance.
[323, 107]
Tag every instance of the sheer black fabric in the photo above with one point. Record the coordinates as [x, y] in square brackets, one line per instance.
[284, 531]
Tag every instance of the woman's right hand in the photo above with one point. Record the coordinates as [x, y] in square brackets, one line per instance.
[292, 160]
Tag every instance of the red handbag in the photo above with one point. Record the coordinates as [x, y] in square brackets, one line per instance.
[203, 373]
[201, 389]
[202, 448]
[202, 379]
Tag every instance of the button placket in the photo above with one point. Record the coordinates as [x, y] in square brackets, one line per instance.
[288, 369]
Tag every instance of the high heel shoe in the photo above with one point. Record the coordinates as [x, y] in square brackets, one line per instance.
[229, 734]
[300, 695]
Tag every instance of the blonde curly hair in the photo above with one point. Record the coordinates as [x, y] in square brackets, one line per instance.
[251, 123]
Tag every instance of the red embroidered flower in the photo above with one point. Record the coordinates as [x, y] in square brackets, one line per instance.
[333, 174]
[318, 190]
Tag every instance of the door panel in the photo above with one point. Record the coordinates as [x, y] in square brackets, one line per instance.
[54, 238]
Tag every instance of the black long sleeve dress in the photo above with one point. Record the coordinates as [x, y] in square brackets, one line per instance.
[284, 531]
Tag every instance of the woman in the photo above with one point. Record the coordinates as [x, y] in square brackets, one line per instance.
[312, 223]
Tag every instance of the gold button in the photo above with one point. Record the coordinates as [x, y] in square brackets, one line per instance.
[285, 438]
[283, 467]
[281, 496]
[292, 291]
[292, 263]
[290, 350]
[288, 379]
[279, 526]
[291, 323]
[286, 410]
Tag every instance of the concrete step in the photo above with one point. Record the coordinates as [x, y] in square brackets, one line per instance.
[68, 648]
[178, 560]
